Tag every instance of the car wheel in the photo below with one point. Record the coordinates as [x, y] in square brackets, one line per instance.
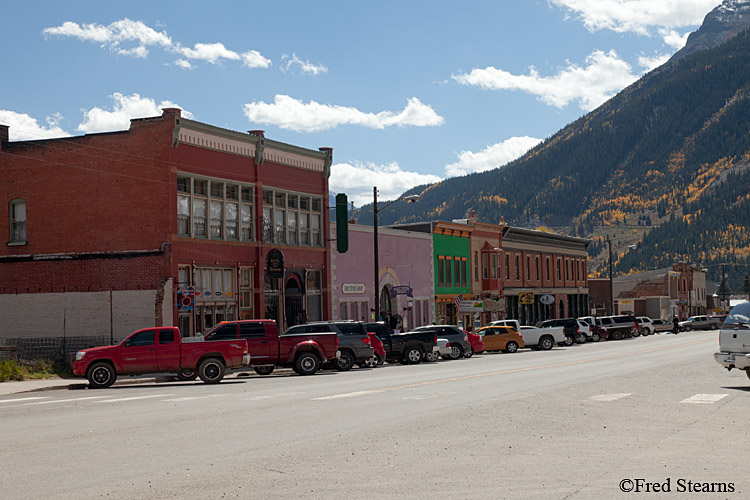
[306, 363]
[101, 375]
[412, 355]
[595, 337]
[546, 343]
[370, 362]
[568, 341]
[456, 351]
[469, 353]
[211, 370]
[431, 357]
[264, 370]
[688, 329]
[636, 332]
[187, 374]
[345, 362]
[511, 347]
[581, 339]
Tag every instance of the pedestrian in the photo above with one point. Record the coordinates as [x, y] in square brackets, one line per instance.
[676, 325]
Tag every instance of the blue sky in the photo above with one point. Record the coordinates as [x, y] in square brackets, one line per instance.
[406, 92]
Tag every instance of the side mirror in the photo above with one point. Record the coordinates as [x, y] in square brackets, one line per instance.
[128, 343]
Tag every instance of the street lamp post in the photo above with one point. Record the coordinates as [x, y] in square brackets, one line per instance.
[375, 210]
[611, 285]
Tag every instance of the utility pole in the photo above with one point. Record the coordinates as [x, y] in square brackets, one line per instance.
[611, 285]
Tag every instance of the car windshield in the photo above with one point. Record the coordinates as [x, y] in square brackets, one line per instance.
[739, 316]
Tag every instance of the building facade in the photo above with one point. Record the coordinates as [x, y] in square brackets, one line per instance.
[405, 277]
[172, 222]
[545, 274]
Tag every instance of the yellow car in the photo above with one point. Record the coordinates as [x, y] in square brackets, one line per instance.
[500, 338]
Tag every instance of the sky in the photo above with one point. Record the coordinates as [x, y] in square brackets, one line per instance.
[405, 92]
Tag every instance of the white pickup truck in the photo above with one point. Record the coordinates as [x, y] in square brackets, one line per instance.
[734, 339]
[536, 338]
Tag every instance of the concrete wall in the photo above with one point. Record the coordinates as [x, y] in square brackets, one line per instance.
[113, 314]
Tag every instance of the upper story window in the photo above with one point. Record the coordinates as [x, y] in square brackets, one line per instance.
[214, 209]
[292, 218]
[17, 222]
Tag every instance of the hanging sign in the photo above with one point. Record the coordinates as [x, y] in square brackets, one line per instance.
[547, 299]
[275, 264]
[401, 290]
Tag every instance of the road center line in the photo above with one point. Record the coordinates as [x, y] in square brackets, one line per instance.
[190, 398]
[704, 398]
[65, 400]
[506, 372]
[23, 399]
[134, 398]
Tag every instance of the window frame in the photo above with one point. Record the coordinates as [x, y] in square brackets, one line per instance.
[18, 233]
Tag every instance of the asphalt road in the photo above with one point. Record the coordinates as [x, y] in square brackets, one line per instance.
[571, 423]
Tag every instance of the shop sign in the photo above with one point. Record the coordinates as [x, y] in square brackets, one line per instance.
[471, 306]
[275, 264]
[494, 305]
[353, 288]
[401, 290]
[547, 299]
[185, 298]
[525, 298]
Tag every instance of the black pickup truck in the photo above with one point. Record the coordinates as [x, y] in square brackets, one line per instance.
[408, 348]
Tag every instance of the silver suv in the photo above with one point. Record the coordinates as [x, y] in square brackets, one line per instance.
[699, 323]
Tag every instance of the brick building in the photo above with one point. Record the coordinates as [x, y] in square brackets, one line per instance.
[171, 222]
[544, 267]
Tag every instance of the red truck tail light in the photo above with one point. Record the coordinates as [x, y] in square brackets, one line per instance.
[336, 344]
[366, 340]
[434, 341]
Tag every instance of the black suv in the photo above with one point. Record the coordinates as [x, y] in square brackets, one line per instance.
[353, 340]
[573, 334]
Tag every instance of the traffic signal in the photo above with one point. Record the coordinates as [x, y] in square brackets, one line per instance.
[342, 223]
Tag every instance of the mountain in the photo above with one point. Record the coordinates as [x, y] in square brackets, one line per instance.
[727, 20]
[649, 168]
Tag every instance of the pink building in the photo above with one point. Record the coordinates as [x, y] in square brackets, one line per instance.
[405, 277]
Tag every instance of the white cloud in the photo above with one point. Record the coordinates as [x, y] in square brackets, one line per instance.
[649, 63]
[358, 179]
[211, 52]
[493, 156]
[292, 114]
[673, 38]
[591, 85]
[25, 128]
[184, 64]
[125, 107]
[637, 16]
[118, 33]
[253, 59]
[304, 66]
[112, 35]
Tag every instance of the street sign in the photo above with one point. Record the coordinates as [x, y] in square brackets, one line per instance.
[547, 299]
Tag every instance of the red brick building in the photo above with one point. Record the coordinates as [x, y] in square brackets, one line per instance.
[544, 267]
[168, 223]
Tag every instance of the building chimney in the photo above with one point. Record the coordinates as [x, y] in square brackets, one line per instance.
[329, 151]
[259, 133]
[4, 135]
[176, 112]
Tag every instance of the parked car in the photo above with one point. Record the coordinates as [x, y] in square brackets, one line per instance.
[443, 349]
[500, 338]
[662, 325]
[699, 323]
[378, 357]
[734, 339]
[160, 350]
[405, 347]
[619, 327]
[645, 325]
[477, 346]
[354, 343]
[304, 349]
[719, 317]
[572, 328]
[458, 338]
[595, 332]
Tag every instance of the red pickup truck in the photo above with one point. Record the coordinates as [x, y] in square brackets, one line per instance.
[304, 352]
[161, 349]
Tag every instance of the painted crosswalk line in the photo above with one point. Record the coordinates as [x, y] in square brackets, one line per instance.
[704, 398]
[610, 397]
